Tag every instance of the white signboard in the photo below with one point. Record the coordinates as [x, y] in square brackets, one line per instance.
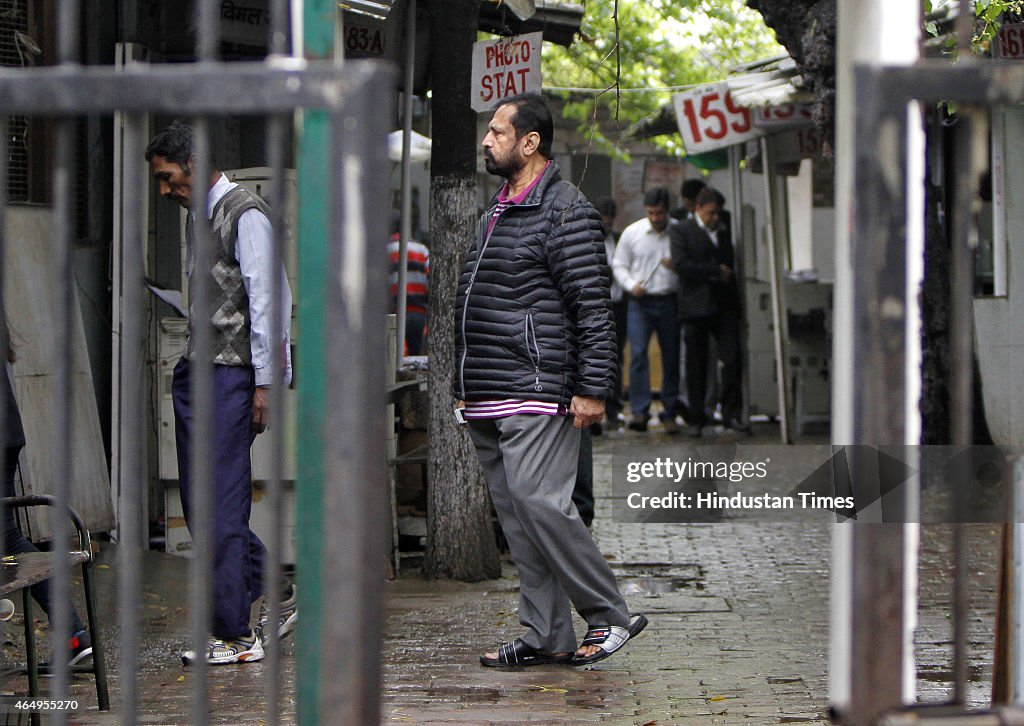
[505, 67]
[1010, 42]
[709, 119]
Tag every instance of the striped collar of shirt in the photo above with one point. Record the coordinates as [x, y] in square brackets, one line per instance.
[511, 407]
[504, 201]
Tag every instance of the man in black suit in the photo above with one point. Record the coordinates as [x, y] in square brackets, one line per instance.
[709, 305]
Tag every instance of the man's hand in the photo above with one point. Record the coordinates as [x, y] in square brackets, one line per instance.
[639, 290]
[725, 273]
[260, 409]
[586, 410]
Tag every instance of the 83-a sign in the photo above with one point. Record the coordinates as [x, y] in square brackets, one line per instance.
[709, 119]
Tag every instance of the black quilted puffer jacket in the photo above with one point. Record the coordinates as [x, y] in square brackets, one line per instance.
[533, 317]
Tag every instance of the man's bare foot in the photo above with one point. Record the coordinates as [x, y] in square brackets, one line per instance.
[586, 651]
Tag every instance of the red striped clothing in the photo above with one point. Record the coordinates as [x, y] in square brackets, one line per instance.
[417, 287]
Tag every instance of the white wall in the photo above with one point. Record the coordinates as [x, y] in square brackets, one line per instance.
[999, 321]
[33, 314]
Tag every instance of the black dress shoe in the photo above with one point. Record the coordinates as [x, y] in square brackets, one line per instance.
[638, 424]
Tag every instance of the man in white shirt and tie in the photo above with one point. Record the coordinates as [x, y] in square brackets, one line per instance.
[709, 306]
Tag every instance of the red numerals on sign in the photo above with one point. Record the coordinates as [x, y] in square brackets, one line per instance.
[716, 117]
[1011, 41]
[808, 142]
[741, 116]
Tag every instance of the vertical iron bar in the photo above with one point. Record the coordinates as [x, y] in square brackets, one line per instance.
[60, 613]
[405, 229]
[201, 376]
[355, 485]
[317, 182]
[4, 332]
[1015, 564]
[132, 409]
[964, 30]
[276, 138]
[279, 44]
[968, 155]
[30, 649]
[878, 417]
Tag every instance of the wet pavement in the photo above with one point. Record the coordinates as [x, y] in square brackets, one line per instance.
[739, 618]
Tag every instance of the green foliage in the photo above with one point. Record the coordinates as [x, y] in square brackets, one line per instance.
[988, 13]
[634, 53]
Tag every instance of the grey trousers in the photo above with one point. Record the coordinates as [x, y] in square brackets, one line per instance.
[530, 465]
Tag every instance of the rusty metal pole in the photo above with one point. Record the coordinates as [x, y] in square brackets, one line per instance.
[875, 353]
[356, 513]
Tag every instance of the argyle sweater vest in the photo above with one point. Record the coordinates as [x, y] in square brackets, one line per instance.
[230, 320]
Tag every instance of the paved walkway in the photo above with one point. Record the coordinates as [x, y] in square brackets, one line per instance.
[739, 634]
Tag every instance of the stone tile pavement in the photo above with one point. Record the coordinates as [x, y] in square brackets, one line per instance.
[739, 635]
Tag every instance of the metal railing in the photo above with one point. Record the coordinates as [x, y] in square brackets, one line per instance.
[341, 502]
[877, 663]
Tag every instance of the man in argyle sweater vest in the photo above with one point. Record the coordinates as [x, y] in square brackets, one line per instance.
[245, 339]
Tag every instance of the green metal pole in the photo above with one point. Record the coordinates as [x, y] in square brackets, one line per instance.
[314, 185]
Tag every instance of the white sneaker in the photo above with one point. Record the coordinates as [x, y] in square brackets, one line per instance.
[287, 620]
[224, 652]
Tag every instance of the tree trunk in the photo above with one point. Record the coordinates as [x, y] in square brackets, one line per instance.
[461, 540]
[807, 30]
[935, 294]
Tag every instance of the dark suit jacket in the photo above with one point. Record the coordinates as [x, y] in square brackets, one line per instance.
[696, 259]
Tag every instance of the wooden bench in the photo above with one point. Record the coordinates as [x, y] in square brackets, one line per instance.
[30, 568]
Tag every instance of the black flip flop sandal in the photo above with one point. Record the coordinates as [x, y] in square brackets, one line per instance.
[518, 654]
[610, 639]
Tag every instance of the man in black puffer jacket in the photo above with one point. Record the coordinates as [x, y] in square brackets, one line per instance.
[535, 359]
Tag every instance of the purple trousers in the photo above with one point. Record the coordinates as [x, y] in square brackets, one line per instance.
[238, 554]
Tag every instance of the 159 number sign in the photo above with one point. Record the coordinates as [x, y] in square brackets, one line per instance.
[709, 119]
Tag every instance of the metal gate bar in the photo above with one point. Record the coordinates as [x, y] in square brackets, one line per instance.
[133, 410]
[277, 85]
[884, 94]
[356, 99]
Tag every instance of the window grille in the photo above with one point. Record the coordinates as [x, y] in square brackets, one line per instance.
[16, 50]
